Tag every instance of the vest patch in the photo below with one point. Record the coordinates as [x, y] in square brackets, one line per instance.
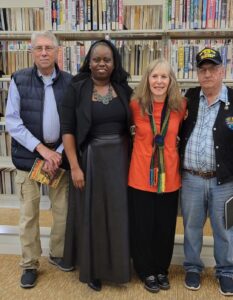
[229, 122]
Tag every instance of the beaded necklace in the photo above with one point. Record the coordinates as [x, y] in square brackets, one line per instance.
[105, 99]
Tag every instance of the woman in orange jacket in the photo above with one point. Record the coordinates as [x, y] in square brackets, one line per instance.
[154, 178]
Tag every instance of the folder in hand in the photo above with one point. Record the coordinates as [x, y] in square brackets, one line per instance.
[229, 213]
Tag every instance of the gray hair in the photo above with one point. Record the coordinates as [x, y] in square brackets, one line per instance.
[46, 34]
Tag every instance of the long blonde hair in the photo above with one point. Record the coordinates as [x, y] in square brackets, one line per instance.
[143, 94]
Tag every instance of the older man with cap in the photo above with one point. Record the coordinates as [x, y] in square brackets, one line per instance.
[207, 169]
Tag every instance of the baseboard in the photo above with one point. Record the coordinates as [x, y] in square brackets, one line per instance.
[9, 244]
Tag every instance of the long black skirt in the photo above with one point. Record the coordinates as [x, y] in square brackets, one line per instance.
[97, 234]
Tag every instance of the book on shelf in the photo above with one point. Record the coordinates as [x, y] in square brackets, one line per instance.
[75, 15]
[228, 208]
[22, 19]
[5, 143]
[184, 52]
[142, 17]
[199, 14]
[7, 180]
[38, 174]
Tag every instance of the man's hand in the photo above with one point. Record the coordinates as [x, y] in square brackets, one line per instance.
[52, 158]
[48, 168]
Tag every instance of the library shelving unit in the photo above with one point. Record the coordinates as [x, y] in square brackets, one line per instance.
[171, 41]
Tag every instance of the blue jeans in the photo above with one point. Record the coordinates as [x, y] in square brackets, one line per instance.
[198, 196]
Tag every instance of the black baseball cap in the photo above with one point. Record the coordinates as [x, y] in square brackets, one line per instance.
[208, 54]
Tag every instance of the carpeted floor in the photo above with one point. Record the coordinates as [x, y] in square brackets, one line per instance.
[54, 284]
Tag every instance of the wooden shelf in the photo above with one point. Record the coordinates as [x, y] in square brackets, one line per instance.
[5, 78]
[21, 3]
[127, 34]
[199, 33]
[135, 79]
[89, 35]
[186, 83]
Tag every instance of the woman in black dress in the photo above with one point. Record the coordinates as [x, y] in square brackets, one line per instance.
[95, 127]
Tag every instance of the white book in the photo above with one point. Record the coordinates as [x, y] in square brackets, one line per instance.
[47, 15]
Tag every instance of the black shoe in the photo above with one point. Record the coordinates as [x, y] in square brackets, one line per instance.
[226, 285]
[192, 281]
[28, 278]
[151, 284]
[58, 261]
[95, 284]
[163, 281]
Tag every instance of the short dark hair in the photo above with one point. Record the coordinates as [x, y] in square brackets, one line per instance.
[118, 74]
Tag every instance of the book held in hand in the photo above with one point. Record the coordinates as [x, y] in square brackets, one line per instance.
[229, 213]
[38, 174]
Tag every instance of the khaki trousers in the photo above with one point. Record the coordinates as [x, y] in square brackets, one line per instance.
[28, 192]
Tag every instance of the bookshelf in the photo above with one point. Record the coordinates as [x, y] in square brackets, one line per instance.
[176, 31]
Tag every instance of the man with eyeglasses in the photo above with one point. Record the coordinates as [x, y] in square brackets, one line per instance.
[207, 170]
[32, 119]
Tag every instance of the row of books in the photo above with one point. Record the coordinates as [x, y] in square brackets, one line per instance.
[14, 55]
[143, 17]
[200, 14]
[21, 19]
[5, 144]
[135, 54]
[3, 95]
[7, 181]
[182, 54]
[74, 15]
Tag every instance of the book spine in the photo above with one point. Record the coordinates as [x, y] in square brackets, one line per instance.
[180, 23]
[169, 13]
[204, 16]
[210, 13]
[54, 15]
[73, 15]
[173, 11]
[195, 13]
[81, 15]
[191, 14]
[104, 14]
[188, 17]
[94, 14]
[177, 13]
[120, 16]
[180, 60]
[113, 15]
[223, 14]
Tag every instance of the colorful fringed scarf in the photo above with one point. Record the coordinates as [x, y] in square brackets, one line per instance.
[157, 168]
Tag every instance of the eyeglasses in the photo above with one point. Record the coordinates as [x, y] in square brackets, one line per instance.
[39, 49]
[212, 69]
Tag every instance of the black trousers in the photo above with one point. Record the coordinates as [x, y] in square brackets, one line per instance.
[152, 230]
